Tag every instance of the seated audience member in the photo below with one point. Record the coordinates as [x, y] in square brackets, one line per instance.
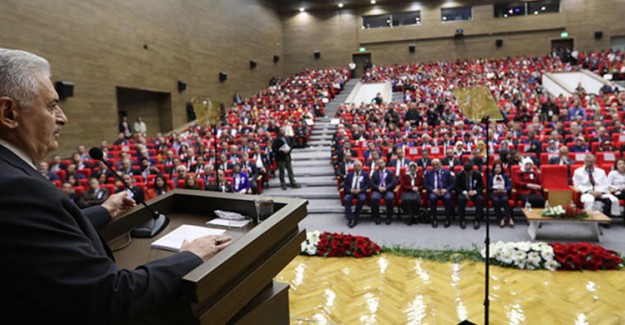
[469, 187]
[249, 168]
[355, 186]
[191, 183]
[95, 195]
[343, 166]
[181, 175]
[68, 189]
[383, 183]
[263, 162]
[552, 147]
[158, 188]
[44, 170]
[477, 159]
[119, 187]
[77, 159]
[439, 183]
[220, 183]
[616, 180]
[500, 186]
[411, 184]
[373, 163]
[424, 161]
[224, 164]
[450, 159]
[606, 146]
[579, 145]
[206, 174]
[241, 181]
[57, 164]
[399, 162]
[594, 186]
[528, 187]
[71, 170]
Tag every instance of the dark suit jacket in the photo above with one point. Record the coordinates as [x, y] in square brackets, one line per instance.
[423, 162]
[446, 179]
[389, 180]
[56, 268]
[447, 162]
[279, 154]
[364, 182]
[476, 180]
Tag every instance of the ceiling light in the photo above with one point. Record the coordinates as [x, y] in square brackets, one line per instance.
[373, 2]
[301, 9]
[340, 5]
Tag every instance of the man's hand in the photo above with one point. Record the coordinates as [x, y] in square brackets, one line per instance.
[207, 246]
[471, 193]
[118, 203]
[597, 194]
[382, 189]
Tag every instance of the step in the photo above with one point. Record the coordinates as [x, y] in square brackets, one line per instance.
[310, 193]
[322, 206]
[303, 172]
[320, 150]
[325, 163]
[308, 155]
[312, 181]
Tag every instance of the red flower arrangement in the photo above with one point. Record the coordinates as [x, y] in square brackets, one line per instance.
[587, 256]
[337, 245]
[573, 212]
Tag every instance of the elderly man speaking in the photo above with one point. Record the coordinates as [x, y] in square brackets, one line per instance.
[55, 267]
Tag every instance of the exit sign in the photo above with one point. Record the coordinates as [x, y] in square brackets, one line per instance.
[362, 49]
[564, 34]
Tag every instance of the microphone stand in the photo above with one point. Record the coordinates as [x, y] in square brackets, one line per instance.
[149, 228]
[485, 120]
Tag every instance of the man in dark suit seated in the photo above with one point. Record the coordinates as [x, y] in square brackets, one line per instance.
[58, 269]
[469, 186]
[451, 160]
[343, 166]
[563, 159]
[94, 195]
[425, 160]
[399, 162]
[44, 170]
[439, 183]
[355, 186]
[383, 183]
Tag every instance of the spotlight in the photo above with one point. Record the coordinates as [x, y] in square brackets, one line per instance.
[373, 2]
[340, 5]
[301, 9]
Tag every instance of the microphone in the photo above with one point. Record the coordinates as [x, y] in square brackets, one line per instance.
[151, 227]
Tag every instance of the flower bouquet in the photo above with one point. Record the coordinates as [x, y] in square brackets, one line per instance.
[560, 212]
[522, 255]
[336, 245]
[587, 256]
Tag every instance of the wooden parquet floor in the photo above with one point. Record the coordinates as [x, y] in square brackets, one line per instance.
[389, 289]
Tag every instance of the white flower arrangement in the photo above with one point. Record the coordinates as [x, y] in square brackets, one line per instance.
[523, 255]
[555, 211]
[309, 246]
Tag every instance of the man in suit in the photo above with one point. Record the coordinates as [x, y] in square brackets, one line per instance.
[94, 195]
[241, 180]
[400, 161]
[343, 166]
[355, 186]
[450, 159]
[263, 163]
[424, 161]
[383, 183]
[282, 151]
[439, 183]
[250, 169]
[563, 159]
[58, 268]
[469, 186]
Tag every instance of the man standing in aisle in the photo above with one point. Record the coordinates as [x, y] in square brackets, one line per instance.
[282, 151]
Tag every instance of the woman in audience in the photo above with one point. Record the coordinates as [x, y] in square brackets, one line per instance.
[191, 183]
[73, 180]
[159, 187]
[500, 186]
[528, 186]
[616, 179]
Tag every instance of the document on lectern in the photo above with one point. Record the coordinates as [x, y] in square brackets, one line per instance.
[173, 240]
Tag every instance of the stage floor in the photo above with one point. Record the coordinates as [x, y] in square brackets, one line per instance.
[389, 289]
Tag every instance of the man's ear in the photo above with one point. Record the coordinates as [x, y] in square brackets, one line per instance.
[8, 112]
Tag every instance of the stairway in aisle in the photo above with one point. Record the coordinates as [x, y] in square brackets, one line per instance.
[312, 167]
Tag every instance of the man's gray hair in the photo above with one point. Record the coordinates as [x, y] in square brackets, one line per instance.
[19, 73]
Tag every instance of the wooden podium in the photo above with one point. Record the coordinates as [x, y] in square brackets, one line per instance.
[235, 286]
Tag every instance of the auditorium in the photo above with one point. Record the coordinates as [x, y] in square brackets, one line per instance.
[422, 162]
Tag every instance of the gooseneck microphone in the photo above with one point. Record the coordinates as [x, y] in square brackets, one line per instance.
[148, 229]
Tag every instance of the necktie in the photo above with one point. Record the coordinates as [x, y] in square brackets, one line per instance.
[438, 180]
[355, 181]
[591, 178]
[382, 182]
[469, 183]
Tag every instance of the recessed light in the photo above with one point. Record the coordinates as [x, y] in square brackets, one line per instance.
[373, 2]
[340, 5]
[301, 9]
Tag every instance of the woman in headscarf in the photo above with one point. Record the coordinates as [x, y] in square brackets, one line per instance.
[499, 186]
[528, 185]
[411, 186]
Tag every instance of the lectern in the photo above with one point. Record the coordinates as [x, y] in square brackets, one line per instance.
[235, 286]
